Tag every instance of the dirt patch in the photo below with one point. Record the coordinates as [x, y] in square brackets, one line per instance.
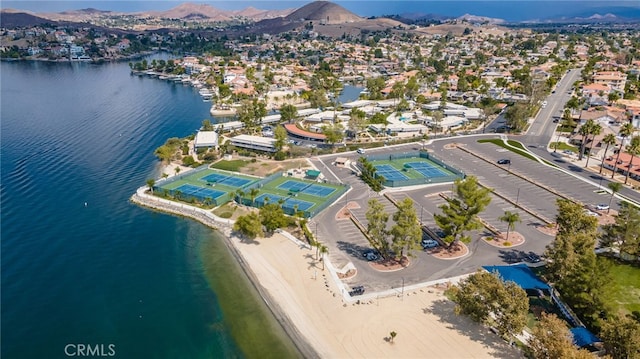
[454, 251]
[390, 265]
[501, 240]
[345, 212]
[607, 218]
[265, 167]
[350, 274]
[549, 229]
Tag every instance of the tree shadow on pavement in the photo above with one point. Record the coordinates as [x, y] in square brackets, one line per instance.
[351, 249]
[444, 310]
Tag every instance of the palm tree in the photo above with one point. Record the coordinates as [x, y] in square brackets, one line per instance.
[177, 194]
[151, 182]
[253, 193]
[177, 169]
[585, 130]
[393, 335]
[615, 187]
[437, 117]
[239, 195]
[625, 132]
[633, 149]
[323, 250]
[596, 129]
[608, 140]
[511, 218]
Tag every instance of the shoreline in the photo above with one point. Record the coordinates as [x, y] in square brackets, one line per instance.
[224, 226]
[310, 303]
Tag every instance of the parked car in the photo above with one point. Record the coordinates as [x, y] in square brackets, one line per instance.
[602, 206]
[371, 255]
[504, 161]
[429, 243]
[591, 213]
[357, 290]
[532, 258]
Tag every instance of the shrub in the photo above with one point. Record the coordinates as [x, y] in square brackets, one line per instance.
[507, 244]
[279, 156]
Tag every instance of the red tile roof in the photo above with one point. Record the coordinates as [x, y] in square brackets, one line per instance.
[294, 130]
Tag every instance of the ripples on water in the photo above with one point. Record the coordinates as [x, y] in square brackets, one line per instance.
[109, 272]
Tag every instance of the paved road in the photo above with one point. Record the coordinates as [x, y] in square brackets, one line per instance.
[542, 131]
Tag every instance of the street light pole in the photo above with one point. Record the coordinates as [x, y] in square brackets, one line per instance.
[517, 198]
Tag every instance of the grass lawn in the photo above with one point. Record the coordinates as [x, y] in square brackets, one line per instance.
[624, 291]
[519, 148]
[233, 165]
[562, 146]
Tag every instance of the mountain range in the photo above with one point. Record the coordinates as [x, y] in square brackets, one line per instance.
[324, 12]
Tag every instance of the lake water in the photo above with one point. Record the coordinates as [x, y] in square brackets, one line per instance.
[82, 265]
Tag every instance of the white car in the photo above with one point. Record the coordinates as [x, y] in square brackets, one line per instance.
[360, 151]
[590, 213]
[602, 206]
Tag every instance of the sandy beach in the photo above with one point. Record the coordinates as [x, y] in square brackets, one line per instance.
[423, 318]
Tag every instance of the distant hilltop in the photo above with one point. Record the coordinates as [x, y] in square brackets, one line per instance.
[323, 11]
[319, 12]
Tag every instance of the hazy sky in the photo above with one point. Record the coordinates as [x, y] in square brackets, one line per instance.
[513, 10]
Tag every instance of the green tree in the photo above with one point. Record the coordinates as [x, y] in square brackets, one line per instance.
[393, 335]
[150, 183]
[460, 213]
[634, 150]
[369, 175]
[511, 218]
[551, 339]
[486, 299]
[249, 226]
[572, 263]
[517, 116]
[357, 121]
[377, 227]
[624, 233]
[288, 113]
[609, 139]
[375, 86]
[334, 133]
[406, 232]
[207, 125]
[272, 217]
[280, 135]
[621, 337]
[625, 131]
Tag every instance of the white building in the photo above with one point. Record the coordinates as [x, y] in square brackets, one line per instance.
[254, 143]
[205, 139]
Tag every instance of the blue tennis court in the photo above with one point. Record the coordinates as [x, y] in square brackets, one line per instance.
[426, 169]
[318, 190]
[199, 192]
[293, 186]
[230, 181]
[288, 202]
[308, 188]
[390, 173]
